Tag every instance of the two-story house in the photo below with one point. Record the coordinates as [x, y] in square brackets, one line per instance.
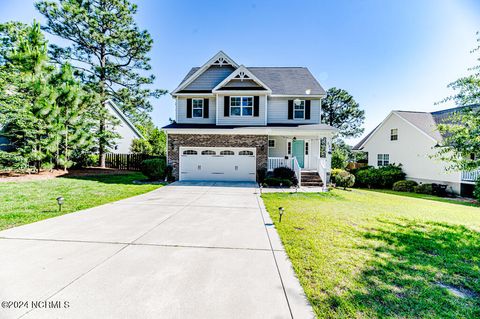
[232, 121]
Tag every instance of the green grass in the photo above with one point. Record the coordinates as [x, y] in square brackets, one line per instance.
[425, 196]
[27, 202]
[365, 254]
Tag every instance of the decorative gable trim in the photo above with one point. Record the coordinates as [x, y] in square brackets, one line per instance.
[242, 74]
[219, 59]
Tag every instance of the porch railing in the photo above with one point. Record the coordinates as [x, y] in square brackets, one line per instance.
[321, 165]
[292, 163]
[471, 176]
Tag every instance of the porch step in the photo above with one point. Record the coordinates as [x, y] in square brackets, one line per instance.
[311, 179]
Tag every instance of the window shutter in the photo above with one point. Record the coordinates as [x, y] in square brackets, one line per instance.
[290, 109]
[307, 109]
[189, 108]
[256, 106]
[226, 106]
[205, 108]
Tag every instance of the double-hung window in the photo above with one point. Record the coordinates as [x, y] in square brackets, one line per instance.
[241, 106]
[393, 134]
[299, 109]
[383, 159]
[197, 107]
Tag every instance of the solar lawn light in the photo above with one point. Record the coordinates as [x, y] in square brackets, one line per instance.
[280, 212]
[60, 203]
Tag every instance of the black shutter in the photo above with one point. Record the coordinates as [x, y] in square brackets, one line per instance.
[290, 109]
[226, 106]
[205, 108]
[189, 108]
[256, 106]
[307, 109]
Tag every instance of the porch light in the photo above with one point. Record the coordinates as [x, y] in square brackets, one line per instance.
[60, 203]
[280, 212]
[294, 138]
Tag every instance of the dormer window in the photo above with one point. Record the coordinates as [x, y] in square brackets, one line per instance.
[393, 134]
[241, 105]
[197, 107]
[299, 109]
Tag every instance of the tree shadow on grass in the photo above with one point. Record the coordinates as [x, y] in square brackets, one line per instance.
[124, 178]
[414, 265]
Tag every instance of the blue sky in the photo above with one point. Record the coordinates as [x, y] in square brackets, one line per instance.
[388, 54]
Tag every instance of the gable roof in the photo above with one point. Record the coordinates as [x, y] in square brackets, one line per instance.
[242, 72]
[121, 116]
[424, 121]
[292, 81]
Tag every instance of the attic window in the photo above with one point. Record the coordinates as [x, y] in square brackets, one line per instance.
[393, 134]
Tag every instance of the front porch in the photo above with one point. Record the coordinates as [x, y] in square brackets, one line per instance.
[307, 155]
[470, 177]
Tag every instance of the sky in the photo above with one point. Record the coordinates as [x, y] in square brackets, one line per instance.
[389, 55]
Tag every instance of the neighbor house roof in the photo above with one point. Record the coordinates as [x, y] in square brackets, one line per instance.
[282, 80]
[424, 121]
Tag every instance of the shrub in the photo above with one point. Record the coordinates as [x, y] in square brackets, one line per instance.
[424, 189]
[274, 181]
[261, 174]
[12, 161]
[344, 179]
[383, 177]
[154, 168]
[476, 191]
[339, 159]
[47, 166]
[285, 173]
[404, 186]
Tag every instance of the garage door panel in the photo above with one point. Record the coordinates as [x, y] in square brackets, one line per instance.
[217, 167]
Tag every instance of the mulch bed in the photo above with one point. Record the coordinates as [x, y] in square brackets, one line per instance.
[91, 171]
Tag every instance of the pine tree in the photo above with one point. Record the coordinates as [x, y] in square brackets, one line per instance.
[108, 50]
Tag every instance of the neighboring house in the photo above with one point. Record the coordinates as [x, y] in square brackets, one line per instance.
[127, 131]
[410, 138]
[232, 121]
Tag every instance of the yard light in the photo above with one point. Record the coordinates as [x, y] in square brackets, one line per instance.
[60, 203]
[296, 188]
[260, 186]
[280, 212]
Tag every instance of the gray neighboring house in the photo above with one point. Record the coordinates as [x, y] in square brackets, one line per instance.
[233, 121]
[125, 129]
[410, 138]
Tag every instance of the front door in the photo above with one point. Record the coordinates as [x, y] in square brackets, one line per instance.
[298, 151]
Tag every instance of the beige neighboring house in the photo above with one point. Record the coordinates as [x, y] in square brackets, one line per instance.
[127, 131]
[411, 138]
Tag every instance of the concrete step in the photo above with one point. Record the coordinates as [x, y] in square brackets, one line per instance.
[312, 184]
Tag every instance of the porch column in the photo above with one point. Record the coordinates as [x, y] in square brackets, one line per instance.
[329, 157]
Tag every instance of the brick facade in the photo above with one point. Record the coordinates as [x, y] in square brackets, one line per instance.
[175, 141]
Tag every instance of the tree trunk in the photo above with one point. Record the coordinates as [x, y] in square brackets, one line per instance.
[103, 99]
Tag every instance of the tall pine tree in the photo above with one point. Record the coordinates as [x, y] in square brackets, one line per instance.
[109, 51]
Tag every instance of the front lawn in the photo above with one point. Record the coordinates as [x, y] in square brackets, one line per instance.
[364, 254]
[27, 202]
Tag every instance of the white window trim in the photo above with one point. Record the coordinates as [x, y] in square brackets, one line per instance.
[383, 156]
[197, 108]
[241, 107]
[299, 118]
[273, 143]
[391, 134]
[291, 146]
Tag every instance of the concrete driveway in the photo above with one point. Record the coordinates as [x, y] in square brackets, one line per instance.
[188, 250]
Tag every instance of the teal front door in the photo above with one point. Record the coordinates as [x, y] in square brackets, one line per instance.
[298, 151]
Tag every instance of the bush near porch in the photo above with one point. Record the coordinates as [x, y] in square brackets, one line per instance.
[368, 254]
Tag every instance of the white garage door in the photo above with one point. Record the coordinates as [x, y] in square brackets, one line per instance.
[217, 164]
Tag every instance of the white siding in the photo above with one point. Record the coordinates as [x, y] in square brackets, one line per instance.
[278, 111]
[182, 112]
[412, 149]
[241, 120]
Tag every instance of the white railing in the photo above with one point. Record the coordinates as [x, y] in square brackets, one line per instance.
[321, 164]
[297, 170]
[471, 176]
[292, 163]
[274, 162]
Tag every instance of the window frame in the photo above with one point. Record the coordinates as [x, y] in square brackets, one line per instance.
[196, 107]
[189, 152]
[394, 135]
[241, 97]
[227, 153]
[245, 153]
[269, 143]
[289, 147]
[383, 160]
[208, 152]
[302, 103]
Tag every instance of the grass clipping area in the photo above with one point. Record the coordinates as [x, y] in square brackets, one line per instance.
[364, 254]
[28, 202]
